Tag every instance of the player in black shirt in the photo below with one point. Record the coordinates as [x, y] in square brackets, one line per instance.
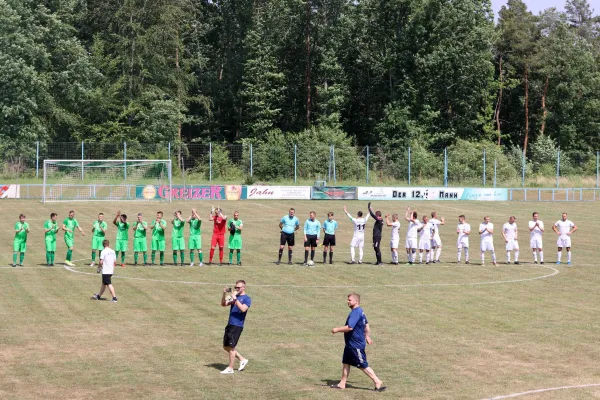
[377, 228]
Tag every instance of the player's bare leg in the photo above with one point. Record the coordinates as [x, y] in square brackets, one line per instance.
[371, 374]
[345, 373]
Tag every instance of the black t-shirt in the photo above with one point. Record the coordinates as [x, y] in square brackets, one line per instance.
[377, 228]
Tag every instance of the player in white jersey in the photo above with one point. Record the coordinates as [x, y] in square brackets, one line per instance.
[565, 229]
[395, 239]
[436, 241]
[510, 233]
[486, 229]
[358, 240]
[411, 234]
[536, 229]
[463, 230]
[425, 231]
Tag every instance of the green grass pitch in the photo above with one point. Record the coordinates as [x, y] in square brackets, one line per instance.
[442, 331]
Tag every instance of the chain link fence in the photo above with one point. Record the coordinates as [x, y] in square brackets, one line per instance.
[475, 165]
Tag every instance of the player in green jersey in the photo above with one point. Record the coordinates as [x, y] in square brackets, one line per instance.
[195, 241]
[20, 242]
[99, 234]
[122, 242]
[177, 239]
[50, 229]
[139, 239]
[159, 226]
[235, 238]
[69, 225]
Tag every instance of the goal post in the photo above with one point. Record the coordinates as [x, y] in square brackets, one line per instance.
[106, 180]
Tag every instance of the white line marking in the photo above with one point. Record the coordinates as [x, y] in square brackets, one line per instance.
[508, 396]
[555, 271]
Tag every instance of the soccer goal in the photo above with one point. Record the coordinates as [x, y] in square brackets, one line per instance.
[101, 180]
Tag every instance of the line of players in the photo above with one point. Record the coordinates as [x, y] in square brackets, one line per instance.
[422, 237]
[157, 227]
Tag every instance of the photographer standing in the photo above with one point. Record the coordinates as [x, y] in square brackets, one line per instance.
[239, 303]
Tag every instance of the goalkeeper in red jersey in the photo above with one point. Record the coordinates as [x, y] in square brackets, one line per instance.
[218, 236]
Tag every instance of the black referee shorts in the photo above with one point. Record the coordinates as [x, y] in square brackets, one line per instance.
[287, 238]
[311, 241]
[329, 240]
[106, 279]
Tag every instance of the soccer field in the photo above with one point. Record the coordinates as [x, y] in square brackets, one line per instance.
[440, 331]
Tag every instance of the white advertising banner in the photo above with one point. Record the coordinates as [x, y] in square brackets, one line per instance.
[431, 193]
[10, 191]
[278, 193]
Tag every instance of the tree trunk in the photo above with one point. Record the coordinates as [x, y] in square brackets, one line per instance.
[526, 111]
[544, 108]
[308, 100]
[499, 104]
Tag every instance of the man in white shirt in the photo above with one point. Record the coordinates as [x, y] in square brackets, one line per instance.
[536, 229]
[395, 239]
[436, 241]
[108, 258]
[425, 231]
[486, 229]
[411, 235]
[463, 230]
[509, 233]
[358, 240]
[564, 228]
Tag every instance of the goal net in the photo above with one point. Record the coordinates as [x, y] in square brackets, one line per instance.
[101, 180]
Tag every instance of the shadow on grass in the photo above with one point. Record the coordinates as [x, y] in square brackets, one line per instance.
[217, 366]
[329, 383]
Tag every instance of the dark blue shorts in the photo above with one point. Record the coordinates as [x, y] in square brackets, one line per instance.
[355, 358]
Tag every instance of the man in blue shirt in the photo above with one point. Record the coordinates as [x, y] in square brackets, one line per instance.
[356, 335]
[312, 232]
[329, 228]
[288, 225]
[239, 304]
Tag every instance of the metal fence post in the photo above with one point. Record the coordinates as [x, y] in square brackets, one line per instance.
[251, 161]
[329, 166]
[333, 156]
[408, 165]
[523, 171]
[169, 149]
[445, 166]
[295, 164]
[597, 164]
[37, 159]
[557, 167]
[210, 161]
[483, 167]
[82, 158]
[495, 166]
[125, 160]
[367, 164]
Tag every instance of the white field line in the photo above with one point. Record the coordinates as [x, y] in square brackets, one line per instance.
[554, 272]
[508, 396]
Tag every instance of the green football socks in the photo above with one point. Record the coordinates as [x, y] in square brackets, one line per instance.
[239, 256]
[22, 258]
[174, 257]
[15, 258]
[135, 257]
[69, 254]
[182, 255]
[93, 256]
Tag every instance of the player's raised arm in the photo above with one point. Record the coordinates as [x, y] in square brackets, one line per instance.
[116, 217]
[408, 215]
[347, 213]
[442, 221]
[387, 220]
[372, 213]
